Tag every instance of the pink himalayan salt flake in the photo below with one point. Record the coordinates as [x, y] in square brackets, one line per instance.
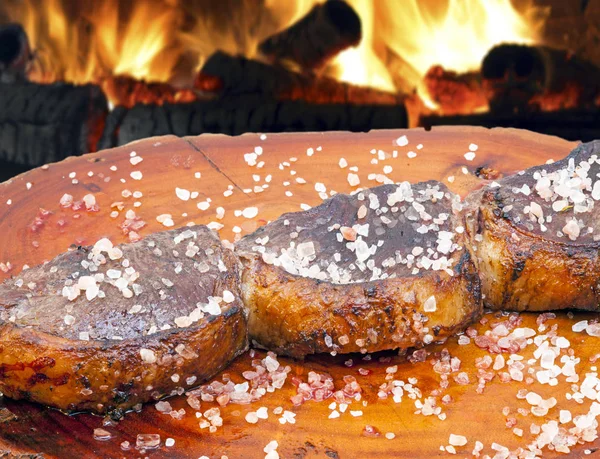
[462, 378]
[348, 233]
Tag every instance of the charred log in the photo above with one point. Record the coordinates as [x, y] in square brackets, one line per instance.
[572, 124]
[127, 91]
[235, 75]
[15, 53]
[46, 123]
[247, 114]
[326, 30]
[517, 77]
[455, 93]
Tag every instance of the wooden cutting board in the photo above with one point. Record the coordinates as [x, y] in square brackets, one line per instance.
[30, 235]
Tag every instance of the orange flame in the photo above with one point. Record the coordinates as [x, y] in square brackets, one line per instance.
[96, 41]
[84, 42]
[455, 34]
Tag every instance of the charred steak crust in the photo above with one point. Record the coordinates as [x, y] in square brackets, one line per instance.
[535, 235]
[104, 328]
[324, 281]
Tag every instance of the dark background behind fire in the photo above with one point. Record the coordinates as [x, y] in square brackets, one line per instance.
[80, 76]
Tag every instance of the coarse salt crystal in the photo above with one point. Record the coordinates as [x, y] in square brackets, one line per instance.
[66, 200]
[89, 200]
[470, 156]
[402, 141]
[250, 212]
[136, 175]
[148, 355]
[457, 440]
[228, 297]
[136, 160]
[571, 229]
[353, 179]
[430, 304]
[165, 219]
[182, 194]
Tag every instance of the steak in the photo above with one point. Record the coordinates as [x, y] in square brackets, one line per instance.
[381, 269]
[104, 328]
[535, 235]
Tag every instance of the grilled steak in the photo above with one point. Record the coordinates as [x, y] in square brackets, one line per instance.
[536, 235]
[381, 269]
[104, 328]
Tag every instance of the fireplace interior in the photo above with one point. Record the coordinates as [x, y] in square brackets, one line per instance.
[77, 76]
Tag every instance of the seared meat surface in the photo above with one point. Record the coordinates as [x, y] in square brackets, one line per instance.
[535, 235]
[381, 269]
[102, 328]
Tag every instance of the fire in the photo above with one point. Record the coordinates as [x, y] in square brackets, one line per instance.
[455, 34]
[361, 65]
[166, 41]
[98, 39]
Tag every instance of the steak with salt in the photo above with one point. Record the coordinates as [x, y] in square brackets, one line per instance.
[106, 327]
[383, 268]
[535, 235]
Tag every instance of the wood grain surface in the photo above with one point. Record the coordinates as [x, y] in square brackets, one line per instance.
[30, 235]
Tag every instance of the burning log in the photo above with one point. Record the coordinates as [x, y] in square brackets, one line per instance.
[455, 93]
[249, 113]
[516, 76]
[326, 30]
[15, 53]
[127, 91]
[46, 123]
[235, 75]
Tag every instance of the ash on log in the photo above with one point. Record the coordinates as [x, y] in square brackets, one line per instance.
[250, 113]
[517, 77]
[46, 123]
[230, 76]
[15, 53]
[326, 30]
